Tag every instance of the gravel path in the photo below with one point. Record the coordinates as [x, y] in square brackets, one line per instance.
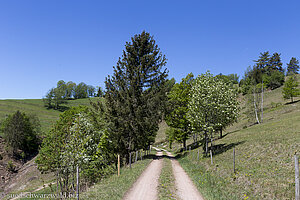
[145, 188]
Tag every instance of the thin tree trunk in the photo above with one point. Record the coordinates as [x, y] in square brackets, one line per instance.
[221, 132]
[255, 109]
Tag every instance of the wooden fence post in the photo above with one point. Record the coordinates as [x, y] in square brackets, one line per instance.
[190, 149]
[198, 154]
[233, 160]
[77, 182]
[118, 164]
[297, 185]
[211, 158]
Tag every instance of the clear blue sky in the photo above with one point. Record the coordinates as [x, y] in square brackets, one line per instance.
[44, 41]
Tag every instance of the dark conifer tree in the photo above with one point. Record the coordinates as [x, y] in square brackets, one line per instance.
[135, 94]
[275, 64]
[293, 66]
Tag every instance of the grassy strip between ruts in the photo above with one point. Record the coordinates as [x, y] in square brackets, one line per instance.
[167, 188]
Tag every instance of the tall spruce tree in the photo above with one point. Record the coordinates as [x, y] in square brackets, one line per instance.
[293, 66]
[135, 94]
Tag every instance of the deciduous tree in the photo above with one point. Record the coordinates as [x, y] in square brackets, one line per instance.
[177, 117]
[290, 88]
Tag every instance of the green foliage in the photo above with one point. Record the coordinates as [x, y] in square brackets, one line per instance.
[267, 69]
[290, 89]
[274, 80]
[177, 116]
[70, 87]
[10, 166]
[81, 91]
[57, 96]
[213, 105]
[20, 132]
[76, 140]
[292, 67]
[234, 78]
[135, 94]
[100, 92]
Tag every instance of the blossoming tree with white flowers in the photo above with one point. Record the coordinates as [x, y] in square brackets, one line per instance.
[213, 106]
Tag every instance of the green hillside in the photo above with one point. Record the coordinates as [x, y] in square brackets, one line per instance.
[36, 106]
[264, 155]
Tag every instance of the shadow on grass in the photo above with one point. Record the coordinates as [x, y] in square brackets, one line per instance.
[221, 148]
[228, 133]
[288, 103]
[216, 149]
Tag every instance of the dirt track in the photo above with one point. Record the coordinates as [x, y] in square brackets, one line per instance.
[145, 188]
[186, 189]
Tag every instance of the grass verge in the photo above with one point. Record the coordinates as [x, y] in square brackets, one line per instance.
[115, 187]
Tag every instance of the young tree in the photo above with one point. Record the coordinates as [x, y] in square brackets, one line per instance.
[135, 94]
[20, 133]
[59, 96]
[292, 66]
[290, 88]
[212, 105]
[48, 99]
[76, 140]
[177, 118]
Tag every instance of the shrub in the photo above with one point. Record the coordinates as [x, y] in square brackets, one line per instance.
[275, 80]
[20, 133]
[10, 166]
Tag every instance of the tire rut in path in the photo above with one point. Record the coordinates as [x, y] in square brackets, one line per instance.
[145, 187]
[186, 190]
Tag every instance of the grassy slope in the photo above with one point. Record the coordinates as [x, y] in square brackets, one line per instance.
[47, 118]
[36, 106]
[264, 156]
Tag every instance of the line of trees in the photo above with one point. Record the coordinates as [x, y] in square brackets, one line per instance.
[201, 106]
[125, 120]
[64, 91]
[138, 96]
[266, 73]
